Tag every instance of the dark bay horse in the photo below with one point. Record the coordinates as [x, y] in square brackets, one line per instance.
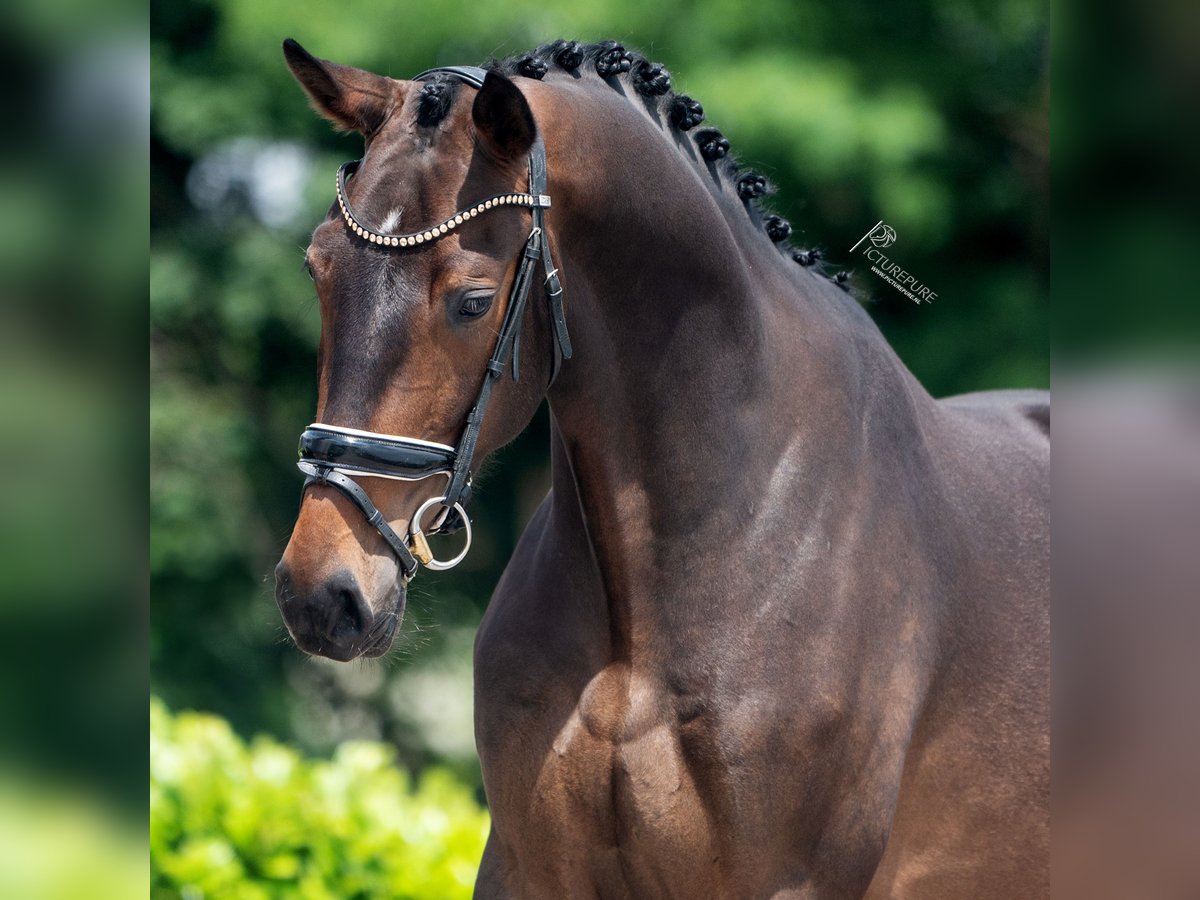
[781, 626]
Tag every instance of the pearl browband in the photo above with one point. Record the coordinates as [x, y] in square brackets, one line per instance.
[514, 198]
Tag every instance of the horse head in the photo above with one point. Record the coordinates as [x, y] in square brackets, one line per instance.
[421, 267]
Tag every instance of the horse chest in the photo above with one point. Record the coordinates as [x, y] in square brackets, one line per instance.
[608, 785]
[628, 719]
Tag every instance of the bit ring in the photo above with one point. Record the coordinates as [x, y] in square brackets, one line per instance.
[420, 546]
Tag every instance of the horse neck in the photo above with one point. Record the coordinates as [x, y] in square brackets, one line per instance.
[716, 384]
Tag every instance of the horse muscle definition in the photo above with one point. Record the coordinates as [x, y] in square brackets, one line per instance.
[781, 626]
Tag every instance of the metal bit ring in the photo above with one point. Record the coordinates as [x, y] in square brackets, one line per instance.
[419, 545]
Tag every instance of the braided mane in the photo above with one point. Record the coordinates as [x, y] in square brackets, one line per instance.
[610, 61]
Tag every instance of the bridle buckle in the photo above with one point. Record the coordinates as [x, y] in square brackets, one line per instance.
[419, 545]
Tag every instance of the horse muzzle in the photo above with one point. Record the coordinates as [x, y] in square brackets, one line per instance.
[334, 618]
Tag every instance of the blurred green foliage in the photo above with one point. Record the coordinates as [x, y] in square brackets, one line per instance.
[231, 821]
[73, 595]
[61, 842]
[928, 114]
[1126, 183]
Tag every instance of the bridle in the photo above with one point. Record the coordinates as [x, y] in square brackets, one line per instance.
[334, 456]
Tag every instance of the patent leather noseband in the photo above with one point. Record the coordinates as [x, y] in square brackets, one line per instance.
[334, 456]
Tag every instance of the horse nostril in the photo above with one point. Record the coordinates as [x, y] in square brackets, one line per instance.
[330, 618]
[348, 624]
[348, 614]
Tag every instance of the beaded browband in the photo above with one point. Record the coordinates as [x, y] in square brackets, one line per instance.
[541, 201]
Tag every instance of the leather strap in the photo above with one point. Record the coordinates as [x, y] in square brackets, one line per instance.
[472, 75]
[505, 343]
[537, 185]
[327, 475]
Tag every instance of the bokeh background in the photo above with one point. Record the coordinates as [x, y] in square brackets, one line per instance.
[288, 800]
[931, 115]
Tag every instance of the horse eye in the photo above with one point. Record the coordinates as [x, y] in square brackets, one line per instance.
[475, 305]
[308, 269]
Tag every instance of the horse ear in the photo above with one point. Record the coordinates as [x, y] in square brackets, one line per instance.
[350, 98]
[503, 119]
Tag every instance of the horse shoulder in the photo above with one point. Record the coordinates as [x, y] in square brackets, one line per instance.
[981, 746]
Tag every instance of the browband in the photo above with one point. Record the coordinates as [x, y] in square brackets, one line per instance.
[430, 234]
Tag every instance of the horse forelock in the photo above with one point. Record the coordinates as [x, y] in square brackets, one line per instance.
[435, 99]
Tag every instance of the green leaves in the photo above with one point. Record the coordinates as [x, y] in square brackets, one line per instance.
[231, 820]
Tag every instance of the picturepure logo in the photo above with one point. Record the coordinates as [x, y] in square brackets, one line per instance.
[882, 235]
[879, 237]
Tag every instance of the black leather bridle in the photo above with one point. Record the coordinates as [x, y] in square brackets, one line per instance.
[332, 455]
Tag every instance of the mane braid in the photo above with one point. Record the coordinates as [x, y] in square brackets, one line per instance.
[651, 81]
[532, 67]
[686, 113]
[568, 54]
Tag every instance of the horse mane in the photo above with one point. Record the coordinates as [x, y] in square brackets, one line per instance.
[610, 61]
